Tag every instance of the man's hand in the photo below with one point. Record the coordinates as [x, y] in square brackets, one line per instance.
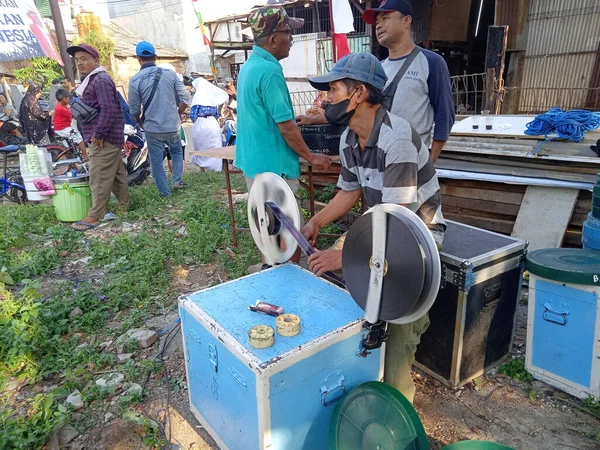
[98, 142]
[313, 120]
[325, 261]
[311, 232]
[304, 120]
[321, 162]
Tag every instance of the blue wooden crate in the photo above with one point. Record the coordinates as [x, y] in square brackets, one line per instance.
[282, 397]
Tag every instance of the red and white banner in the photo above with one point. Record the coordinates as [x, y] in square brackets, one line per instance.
[23, 34]
[343, 22]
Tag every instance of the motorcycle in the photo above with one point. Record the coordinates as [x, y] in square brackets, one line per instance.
[135, 156]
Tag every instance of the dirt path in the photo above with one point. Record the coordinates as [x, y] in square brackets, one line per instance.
[497, 408]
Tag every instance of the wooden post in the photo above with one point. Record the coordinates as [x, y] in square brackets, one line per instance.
[490, 89]
[494, 59]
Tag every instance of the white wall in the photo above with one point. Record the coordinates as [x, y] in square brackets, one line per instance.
[302, 62]
[167, 23]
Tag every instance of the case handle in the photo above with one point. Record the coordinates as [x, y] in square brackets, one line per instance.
[493, 294]
[332, 388]
[558, 317]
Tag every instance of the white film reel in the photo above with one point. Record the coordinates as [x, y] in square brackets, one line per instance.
[274, 241]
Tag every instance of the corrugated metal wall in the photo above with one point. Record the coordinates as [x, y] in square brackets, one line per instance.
[562, 47]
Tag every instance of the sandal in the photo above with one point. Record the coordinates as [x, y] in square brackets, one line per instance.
[86, 226]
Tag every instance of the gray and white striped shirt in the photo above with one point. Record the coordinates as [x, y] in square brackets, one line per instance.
[394, 167]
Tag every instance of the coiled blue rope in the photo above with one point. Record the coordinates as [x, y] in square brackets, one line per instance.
[570, 125]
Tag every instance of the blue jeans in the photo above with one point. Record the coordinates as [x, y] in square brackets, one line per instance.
[156, 150]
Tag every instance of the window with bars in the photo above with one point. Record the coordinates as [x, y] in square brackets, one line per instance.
[317, 18]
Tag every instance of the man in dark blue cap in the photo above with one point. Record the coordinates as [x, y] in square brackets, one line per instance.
[157, 98]
[384, 158]
[418, 88]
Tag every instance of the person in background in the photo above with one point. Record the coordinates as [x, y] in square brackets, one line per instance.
[7, 111]
[69, 85]
[229, 109]
[62, 121]
[423, 95]
[206, 133]
[157, 99]
[9, 122]
[35, 121]
[103, 133]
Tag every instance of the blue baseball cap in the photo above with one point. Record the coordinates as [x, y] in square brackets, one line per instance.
[145, 49]
[362, 67]
[402, 6]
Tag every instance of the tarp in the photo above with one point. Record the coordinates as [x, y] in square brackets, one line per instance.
[23, 34]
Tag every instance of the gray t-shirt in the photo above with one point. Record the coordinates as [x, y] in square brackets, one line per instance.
[424, 95]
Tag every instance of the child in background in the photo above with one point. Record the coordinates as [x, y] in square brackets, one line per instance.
[62, 121]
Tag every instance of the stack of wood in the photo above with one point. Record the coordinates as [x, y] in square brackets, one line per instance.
[483, 179]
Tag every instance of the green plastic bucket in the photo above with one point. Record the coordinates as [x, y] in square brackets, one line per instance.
[476, 445]
[72, 200]
[376, 416]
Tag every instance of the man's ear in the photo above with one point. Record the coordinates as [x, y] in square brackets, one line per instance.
[362, 94]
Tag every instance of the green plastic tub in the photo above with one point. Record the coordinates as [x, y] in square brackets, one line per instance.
[73, 199]
[376, 416]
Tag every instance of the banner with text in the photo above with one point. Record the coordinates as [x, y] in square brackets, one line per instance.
[23, 34]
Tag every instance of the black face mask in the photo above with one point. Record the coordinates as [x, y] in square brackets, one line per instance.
[336, 113]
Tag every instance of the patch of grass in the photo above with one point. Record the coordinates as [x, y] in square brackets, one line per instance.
[592, 406]
[515, 368]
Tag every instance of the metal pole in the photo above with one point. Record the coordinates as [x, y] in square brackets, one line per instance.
[62, 38]
[333, 50]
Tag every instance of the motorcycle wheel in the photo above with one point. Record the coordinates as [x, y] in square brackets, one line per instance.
[138, 177]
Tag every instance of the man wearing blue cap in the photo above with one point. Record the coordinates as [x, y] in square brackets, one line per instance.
[157, 98]
[418, 88]
[384, 158]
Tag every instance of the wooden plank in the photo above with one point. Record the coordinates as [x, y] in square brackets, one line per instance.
[513, 198]
[577, 219]
[504, 209]
[544, 216]
[487, 185]
[573, 238]
[474, 213]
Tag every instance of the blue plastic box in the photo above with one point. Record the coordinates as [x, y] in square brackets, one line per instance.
[563, 320]
[282, 397]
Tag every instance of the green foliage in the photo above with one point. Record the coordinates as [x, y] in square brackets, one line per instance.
[592, 406]
[38, 340]
[30, 430]
[515, 368]
[101, 42]
[41, 71]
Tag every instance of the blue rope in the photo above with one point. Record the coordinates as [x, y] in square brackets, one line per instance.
[570, 125]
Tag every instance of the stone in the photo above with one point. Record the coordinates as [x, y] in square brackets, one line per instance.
[75, 312]
[108, 417]
[105, 344]
[135, 390]
[144, 338]
[82, 346]
[479, 381]
[75, 400]
[67, 434]
[124, 357]
[110, 380]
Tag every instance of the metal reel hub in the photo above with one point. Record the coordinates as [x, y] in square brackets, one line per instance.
[275, 242]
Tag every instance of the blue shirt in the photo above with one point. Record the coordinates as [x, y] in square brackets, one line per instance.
[263, 102]
[162, 116]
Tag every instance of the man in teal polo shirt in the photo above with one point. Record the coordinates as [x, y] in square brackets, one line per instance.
[268, 139]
